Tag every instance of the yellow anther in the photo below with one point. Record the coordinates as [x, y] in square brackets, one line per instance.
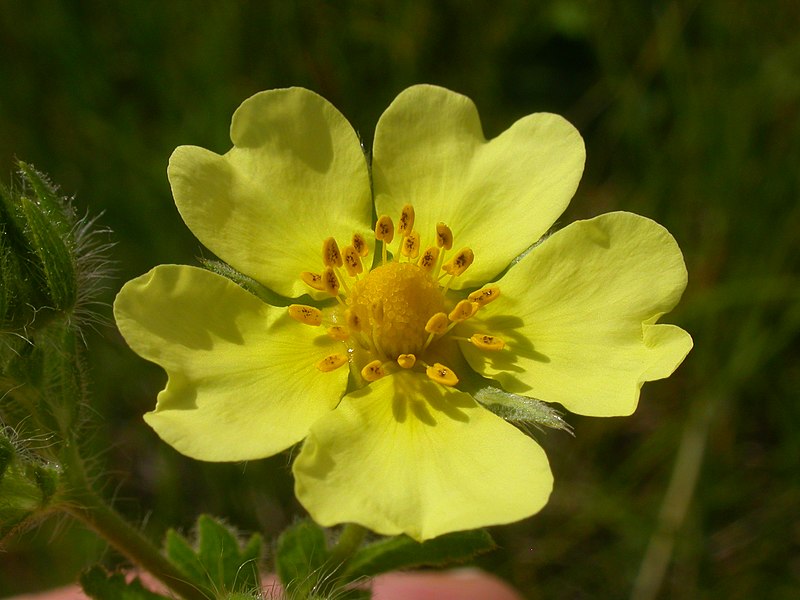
[308, 315]
[338, 332]
[485, 295]
[410, 247]
[331, 362]
[463, 311]
[373, 371]
[406, 224]
[487, 342]
[459, 263]
[441, 374]
[313, 280]
[437, 324]
[331, 257]
[384, 229]
[352, 261]
[444, 236]
[427, 261]
[330, 281]
[360, 244]
[353, 320]
[406, 360]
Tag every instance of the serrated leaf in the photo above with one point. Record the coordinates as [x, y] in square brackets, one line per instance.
[97, 583]
[217, 562]
[402, 552]
[301, 558]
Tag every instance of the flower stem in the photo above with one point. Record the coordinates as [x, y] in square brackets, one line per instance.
[84, 504]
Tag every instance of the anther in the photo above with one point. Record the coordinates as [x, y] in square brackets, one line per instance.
[384, 229]
[462, 311]
[441, 374]
[485, 295]
[406, 361]
[373, 371]
[308, 315]
[428, 260]
[360, 245]
[352, 261]
[330, 281]
[353, 320]
[459, 263]
[331, 257]
[313, 280]
[331, 362]
[487, 342]
[406, 224]
[338, 332]
[444, 236]
[437, 324]
[410, 247]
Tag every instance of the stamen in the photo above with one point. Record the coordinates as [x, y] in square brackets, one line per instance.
[485, 295]
[410, 247]
[330, 281]
[406, 361]
[441, 374]
[313, 280]
[373, 371]
[331, 362]
[360, 245]
[384, 232]
[406, 224]
[463, 311]
[487, 342]
[331, 257]
[308, 315]
[459, 263]
[437, 324]
[339, 333]
[353, 320]
[428, 260]
[444, 236]
[352, 261]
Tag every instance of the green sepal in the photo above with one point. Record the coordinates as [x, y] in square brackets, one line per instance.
[248, 283]
[99, 584]
[402, 552]
[521, 410]
[217, 562]
[302, 560]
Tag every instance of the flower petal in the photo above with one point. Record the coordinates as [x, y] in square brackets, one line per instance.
[405, 455]
[242, 377]
[498, 197]
[578, 314]
[295, 176]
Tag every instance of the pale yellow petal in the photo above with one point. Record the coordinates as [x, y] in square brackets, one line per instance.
[295, 176]
[497, 196]
[579, 313]
[405, 455]
[242, 377]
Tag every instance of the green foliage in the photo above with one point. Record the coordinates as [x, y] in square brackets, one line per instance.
[99, 584]
[521, 410]
[401, 552]
[302, 560]
[216, 562]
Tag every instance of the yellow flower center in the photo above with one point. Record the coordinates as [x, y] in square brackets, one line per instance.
[388, 317]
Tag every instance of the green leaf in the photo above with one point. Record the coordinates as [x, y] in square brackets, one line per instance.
[248, 283]
[302, 559]
[97, 583]
[217, 562]
[402, 552]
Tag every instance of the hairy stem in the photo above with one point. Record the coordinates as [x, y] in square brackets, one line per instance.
[86, 505]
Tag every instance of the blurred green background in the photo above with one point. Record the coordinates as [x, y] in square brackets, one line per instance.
[691, 115]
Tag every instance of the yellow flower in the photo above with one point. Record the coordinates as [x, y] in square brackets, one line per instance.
[373, 370]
